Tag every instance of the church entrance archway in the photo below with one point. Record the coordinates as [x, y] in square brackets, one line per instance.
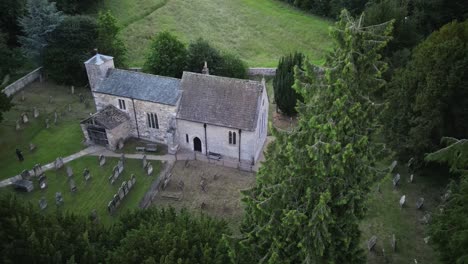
[197, 144]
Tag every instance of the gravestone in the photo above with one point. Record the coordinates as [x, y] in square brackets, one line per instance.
[116, 200]
[69, 171]
[37, 169]
[72, 89]
[426, 239]
[55, 117]
[102, 160]
[69, 108]
[43, 203]
[58, 163]
[402, 200]
[22, 96]
[145, 162]
[24, 118]
[58, 198]
[125, 187]
[18, 126]
[393, 165]
[25, 175]
[371, 243]
[32, 147]
[73, 187]
[120, 166]
[35, 112]
[396, 180]
[393, 243]
[121, 193]
[50, 99]
[133, 178]
[149, 169]
[411, 178]
[42, 182]
[122, 158]
[47, 123]
[129, 184]
[110, 207]
[426, 219]
[86, 175]
[420, 203]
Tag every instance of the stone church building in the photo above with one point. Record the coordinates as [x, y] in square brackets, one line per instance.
[217, 117]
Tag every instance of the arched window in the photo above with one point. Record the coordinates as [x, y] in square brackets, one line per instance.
[232, 138]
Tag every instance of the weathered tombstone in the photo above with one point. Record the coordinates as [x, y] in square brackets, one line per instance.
[35, 112]
[393, 165]
[50, 99]
[73, 187]
[116, 172]
[69, 108]
[72, 89]
[371, 243]
[116, 200]
[402, 200]
[149, 169]
[124, 187]
[58, 198]
[420, 203]
[25, 175]
[102, 160]
[122, 158]
[69, 171]
[120, 166]
[18, 126]
[37, 169]
[47, 123]
[24, 118]
[32, 147]
[129, 184]
[86, 175]
[58, 163]
[121, 193]
[42, 181]
[411, 178]
[393, 243]
[133, 179]
[43, 203]
[55, 117]
[396, 180]
[120, 144]
[145, 162]
[81, 98]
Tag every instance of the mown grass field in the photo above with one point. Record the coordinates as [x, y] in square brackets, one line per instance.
[96, 193]
[61, 139]
[259, 31]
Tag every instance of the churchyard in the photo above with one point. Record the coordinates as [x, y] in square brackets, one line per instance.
[58, 109]
[256, 25]
[206, 188]
[82, 196]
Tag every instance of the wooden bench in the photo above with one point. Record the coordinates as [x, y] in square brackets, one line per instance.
[151, 147]
[214, 156]
[140, 149]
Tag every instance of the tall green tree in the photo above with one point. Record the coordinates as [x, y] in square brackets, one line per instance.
[167, 56]
[5, 104]
[41, 19]
[311, 190]
[285, 96]
[70, 45]
[428, 98]
[11, 58]
[10, 10]
[449, 228]
[108, 41]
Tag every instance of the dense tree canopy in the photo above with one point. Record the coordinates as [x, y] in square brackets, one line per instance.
[70, 45]
[285, 96]
[5, 104]
[310, 192]
[75, 6]
[108, 41]
[329, 8]
[10, 11]
[428, 98]
[40, 20]
[10, 58]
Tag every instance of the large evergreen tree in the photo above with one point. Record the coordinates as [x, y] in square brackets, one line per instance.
[41, 19]
[285, 96]
[310, 192]
[108, 41]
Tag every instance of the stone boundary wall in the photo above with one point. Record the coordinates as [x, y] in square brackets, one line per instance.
[154, 189]
[262, 72]
[23, 81]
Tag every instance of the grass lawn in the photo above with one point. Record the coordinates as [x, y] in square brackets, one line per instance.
[61, 139]
[97, 193]
[259, 31]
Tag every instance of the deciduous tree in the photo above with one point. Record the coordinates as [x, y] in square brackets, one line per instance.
[108, 41]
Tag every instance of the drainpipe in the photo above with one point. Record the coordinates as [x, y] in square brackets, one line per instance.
[240, 132]
[206, 142]
[136, 123]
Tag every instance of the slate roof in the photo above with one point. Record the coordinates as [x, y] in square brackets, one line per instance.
[109, 117]
[142, 86]
[220, 101]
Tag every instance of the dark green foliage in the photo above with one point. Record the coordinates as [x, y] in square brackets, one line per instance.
[285, 96]
[428, 98]
[108, 41]
[10, 10]
[449, 228]
[164, 236]
[11, 58]
[71, 44]
[433, 14]
[329, 8]
[75, 6]
[5, 104]
[310, 192]
[219, 63]
[167, 56]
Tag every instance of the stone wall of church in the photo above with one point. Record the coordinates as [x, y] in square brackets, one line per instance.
[139, 126]
[120, 132]
[262, 123]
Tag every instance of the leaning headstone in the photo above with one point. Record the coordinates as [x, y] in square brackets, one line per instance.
[145, 162]
[149, 169]
[69, 171]
[55, 117]
[110, 207]
[393, 243]
[58, 163]
[396, 180]
[72, 89]
[86, 175]
[32, 147]
[102, 160]
[58, 198]
[402, 200]
[371, 243]
[43, 203]
[124, 187]
[420, 203]
[47, 123]
[393, 165]
[42, 182]
[121, 193]
[411, 178]
[120, 165]
[122, 158]
[18, 126]
[73, 187]
[24, 118]
[35, 112]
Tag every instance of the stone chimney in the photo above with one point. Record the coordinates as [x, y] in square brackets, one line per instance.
[205, 69]
[97, 68]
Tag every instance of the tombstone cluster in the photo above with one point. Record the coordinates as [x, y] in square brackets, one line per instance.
[123, 191]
